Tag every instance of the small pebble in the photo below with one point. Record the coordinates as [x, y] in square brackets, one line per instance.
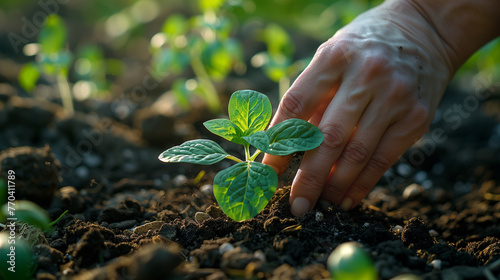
[260, 255]
[412, 191]
[91, 160]
[207, 189]
[123, 225]
[82, 171]
[180, 180]
[398, 229]
[433, 233]
[225, 247]
[319, 216]
[420, 176]
[427, 184]
[201, 216]
[142, 229]
[436, 264]
[404, 169]
[366, 224]
[168, 231]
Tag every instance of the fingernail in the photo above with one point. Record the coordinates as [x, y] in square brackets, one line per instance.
[300, 206]
[346, 204]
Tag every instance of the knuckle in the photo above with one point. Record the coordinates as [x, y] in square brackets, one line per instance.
[334, 137]
[356, 152]
[291, 106]
[379, 163]
[364, 188]
[311, 181]
[334, 52]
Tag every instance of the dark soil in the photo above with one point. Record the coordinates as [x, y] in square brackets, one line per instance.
[134, 217]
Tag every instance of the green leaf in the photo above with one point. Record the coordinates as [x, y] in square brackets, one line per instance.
[210, 5]
[225, 129]
[169, 61]
[30, 213]
[293, 135]
[244, 189]
[28, 76]
[259, 140]
[200, 151]
[250, 111]
[175, 25]
[53, 35]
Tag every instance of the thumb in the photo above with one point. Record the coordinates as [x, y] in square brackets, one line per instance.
[278, 163]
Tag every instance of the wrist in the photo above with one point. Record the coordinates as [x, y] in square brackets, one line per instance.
[463, 26]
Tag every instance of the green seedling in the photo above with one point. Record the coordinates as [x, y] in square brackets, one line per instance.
[15, 258]
[53, 59]
[244, 189]
[277, 61]
[202, 43]
[350, 261]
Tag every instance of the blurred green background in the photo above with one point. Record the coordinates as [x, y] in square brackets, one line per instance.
[110, 40]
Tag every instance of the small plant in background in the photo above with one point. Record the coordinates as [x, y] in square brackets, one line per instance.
[202, 42]
[245, 188]
[54, 60]
[350, 261]
[277, 61]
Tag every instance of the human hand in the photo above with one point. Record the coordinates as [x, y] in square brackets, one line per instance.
[372, 89]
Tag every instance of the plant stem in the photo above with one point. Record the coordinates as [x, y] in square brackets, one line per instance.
[247, 152]
[57, 220]
[207, 87]
[254, 156]
[234, 158]
[65, 91]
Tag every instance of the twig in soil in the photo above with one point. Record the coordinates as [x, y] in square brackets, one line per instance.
[185, 209]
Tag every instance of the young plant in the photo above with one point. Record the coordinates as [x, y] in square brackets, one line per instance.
[53, 59]
[203, 43]
[245, 188]
[277, 60]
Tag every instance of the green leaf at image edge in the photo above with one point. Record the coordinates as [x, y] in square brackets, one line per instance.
[30, 213]
[250, 111]
[244, 189]
[200, 151]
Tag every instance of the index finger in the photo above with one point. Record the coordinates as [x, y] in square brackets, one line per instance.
[314, 84]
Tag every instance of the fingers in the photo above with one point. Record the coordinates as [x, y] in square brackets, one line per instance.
[387, 153]
[393, 144]
[356, 154]
[310, 93]
[337, 124]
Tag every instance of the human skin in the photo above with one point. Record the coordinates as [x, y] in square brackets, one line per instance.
[373, 89]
